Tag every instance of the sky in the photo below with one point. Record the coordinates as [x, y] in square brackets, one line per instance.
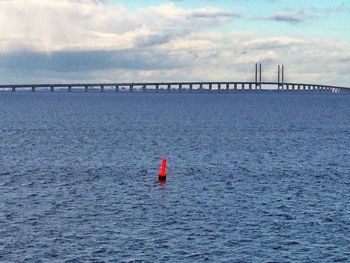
[60, 41]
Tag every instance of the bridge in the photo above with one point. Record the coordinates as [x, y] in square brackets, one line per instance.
[196, 86]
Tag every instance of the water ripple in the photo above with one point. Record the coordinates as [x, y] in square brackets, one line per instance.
[252, 178]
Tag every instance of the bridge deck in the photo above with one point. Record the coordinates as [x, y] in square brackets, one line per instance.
[180, 86]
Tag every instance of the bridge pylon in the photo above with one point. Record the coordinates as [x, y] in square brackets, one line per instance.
[280, 77]
[257, 76]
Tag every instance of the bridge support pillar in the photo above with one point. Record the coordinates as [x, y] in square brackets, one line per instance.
[143, 88]
[250, 86]
[168, 87]
[242, 86]
[33, 89]
[191, 87]
[102, 89]
[131, 88]
[235, 86]
[13, 89]
[157, 87]
[86, 88]
[69, 88]
[210, 87]
[52, 89]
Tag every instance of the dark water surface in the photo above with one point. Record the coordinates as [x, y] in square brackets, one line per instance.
[252, 177]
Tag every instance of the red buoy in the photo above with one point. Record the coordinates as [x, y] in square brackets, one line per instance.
[162, 172]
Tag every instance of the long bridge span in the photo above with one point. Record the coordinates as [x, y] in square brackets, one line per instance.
[196, 86]
[200, 86]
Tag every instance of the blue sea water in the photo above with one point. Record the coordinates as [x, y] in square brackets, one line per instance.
[252, 177]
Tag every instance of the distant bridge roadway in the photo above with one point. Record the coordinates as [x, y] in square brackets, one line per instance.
[200, 86]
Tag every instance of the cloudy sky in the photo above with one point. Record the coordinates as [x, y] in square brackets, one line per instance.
[145, 40]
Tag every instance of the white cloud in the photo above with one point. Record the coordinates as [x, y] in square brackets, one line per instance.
[90, 25]
[85, 40]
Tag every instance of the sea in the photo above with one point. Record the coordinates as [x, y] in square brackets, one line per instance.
[251, 177]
